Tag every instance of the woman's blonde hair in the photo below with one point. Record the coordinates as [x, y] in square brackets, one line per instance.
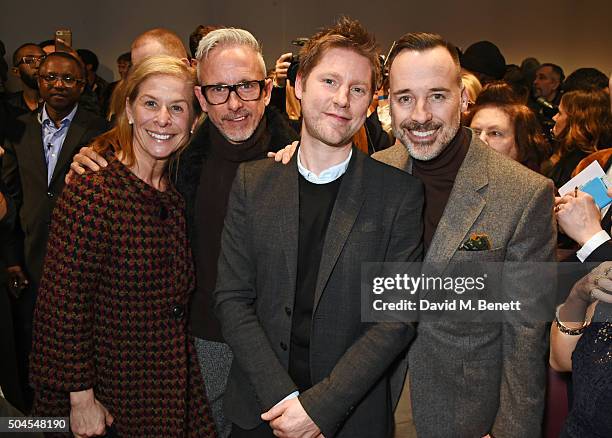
[472, 85]
[120, 137]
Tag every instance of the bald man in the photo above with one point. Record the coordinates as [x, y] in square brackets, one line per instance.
[158, 41]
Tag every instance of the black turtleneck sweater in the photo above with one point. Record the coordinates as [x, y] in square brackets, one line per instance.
[212, 196]
[203, 175]
[438, 176]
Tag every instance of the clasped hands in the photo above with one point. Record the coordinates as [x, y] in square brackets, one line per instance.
[288, 419]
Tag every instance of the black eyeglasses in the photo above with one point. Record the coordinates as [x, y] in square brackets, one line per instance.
[219, 93]
[30, 60]
[67, 80]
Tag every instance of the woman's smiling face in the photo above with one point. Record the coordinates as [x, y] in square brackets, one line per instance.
[162, 116]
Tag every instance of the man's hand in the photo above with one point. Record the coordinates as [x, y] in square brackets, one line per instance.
[285, 154]
[289, 420]
[280, 70]
[578, 217]
[86, 159]
[88, 417]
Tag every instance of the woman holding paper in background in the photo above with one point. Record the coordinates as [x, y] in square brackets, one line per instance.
[579, 217]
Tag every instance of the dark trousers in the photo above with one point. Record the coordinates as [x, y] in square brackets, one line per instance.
[11, 373]
[23, 314]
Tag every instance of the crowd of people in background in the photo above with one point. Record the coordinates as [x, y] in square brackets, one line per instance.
[507, 87]
[118, 216]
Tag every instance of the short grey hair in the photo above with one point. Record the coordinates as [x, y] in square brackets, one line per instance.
[228, 37]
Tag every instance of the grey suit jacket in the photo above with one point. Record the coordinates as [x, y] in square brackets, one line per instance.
[254, 298]
[25, 173]
[468, 380]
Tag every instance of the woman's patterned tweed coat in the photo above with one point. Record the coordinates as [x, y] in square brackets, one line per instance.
[111, 310]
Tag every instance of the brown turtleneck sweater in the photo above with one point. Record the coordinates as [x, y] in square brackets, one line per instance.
[438, 176]
[218, 172]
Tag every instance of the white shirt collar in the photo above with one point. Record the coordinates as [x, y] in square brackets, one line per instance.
[328, 175]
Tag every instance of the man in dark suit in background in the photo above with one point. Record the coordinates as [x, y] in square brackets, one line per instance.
[290, 307]
[468, 379]
[38, 156]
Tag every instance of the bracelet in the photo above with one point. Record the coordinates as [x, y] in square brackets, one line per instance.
[566, 330]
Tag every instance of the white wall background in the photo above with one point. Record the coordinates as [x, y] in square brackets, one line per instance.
[570, 33]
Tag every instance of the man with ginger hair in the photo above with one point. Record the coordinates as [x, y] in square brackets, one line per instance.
[305, 364]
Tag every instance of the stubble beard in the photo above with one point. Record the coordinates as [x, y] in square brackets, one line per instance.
[241, 135]
[335, 139]
[29, 81]
[317, 129]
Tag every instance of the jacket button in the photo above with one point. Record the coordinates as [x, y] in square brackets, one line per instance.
[178, 311]
[50, 195]
[288, 310]
[283, 346]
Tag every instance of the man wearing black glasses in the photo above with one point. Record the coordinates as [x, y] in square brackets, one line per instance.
[38, 155]
[240, 127]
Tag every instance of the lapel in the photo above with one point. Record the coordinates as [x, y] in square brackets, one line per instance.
[77, 129]
[463, 207]
[404, 157]
[288, 204]
[32, 140]
[351, 195]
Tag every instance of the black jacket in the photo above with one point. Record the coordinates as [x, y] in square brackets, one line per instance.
[25, 173]
[186, 173]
